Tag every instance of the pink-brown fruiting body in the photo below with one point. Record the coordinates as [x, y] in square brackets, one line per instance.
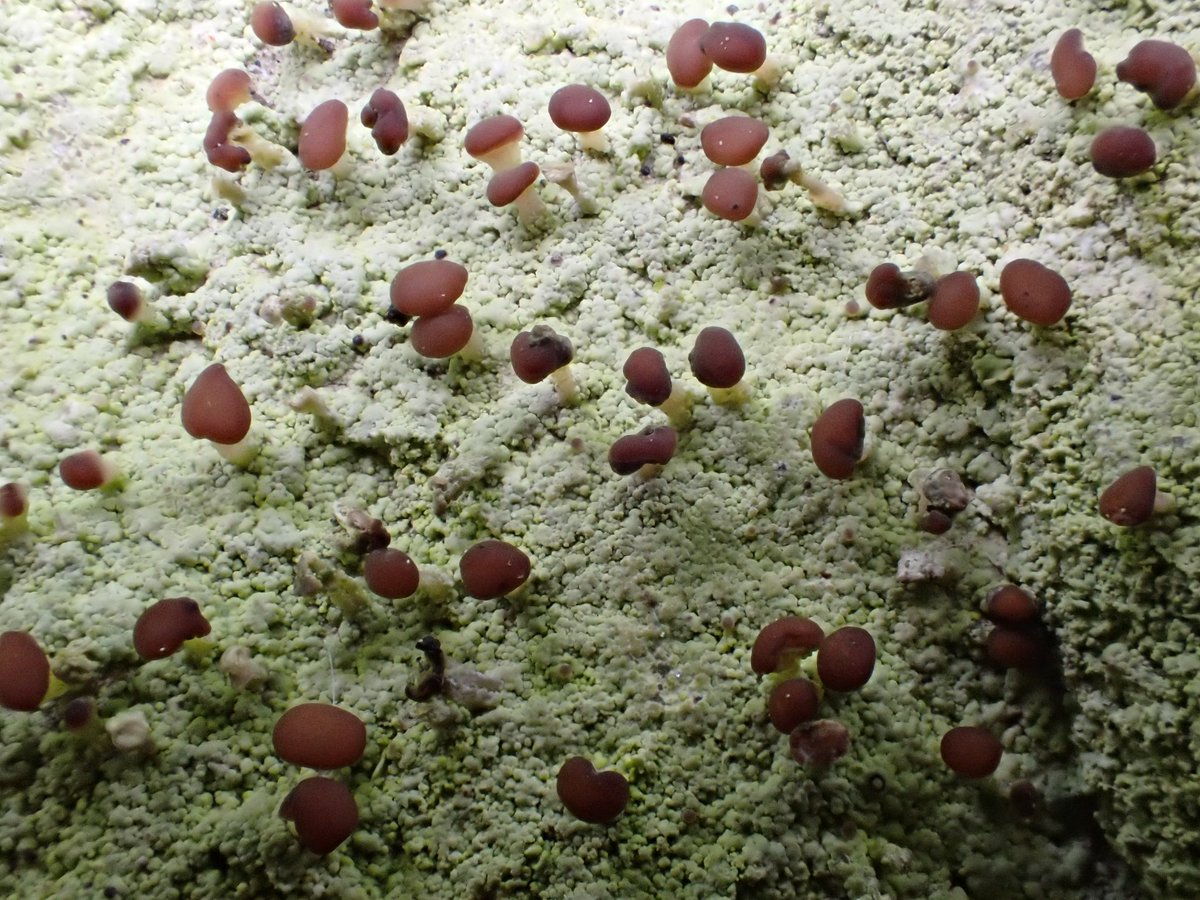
[217, 146]
[685, 60]
[653, 445]
[792, 703]
[782, 641]
[1010, 605]
[385, 115]
[14, 501]
[391, 573]
[1129, 500]
[730, 194]
[1034, 292]
[79, 713]
[889, 288]
[716, 358]
[495, 141]
[846, 659]
[734, 46]
[490, 569]
[125, 299]
[356, 14]
[86, 470]
[323, 135]
[1072, 67]
[24, 672]
[1016, 647]
[428, 287]
[1122, 151]
[955, 301]
[837, 438]
[733, 140]
[507, 186]
[271, 24]
[319, 736]
[819, 744]
[646, 376]
[538, 352]
[228, 90]
[1164, 70]
[323, 811]
[214, 408]
[164, 626]
[591, 796]
[443, 334]
[579, 108]
[971, 751]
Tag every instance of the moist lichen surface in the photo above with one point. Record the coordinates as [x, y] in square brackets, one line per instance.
[630, 645]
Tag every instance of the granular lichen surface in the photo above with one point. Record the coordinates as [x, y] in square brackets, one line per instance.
[630, 644]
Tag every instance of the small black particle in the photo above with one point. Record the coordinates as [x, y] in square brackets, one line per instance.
[357, 341]
[396, 317]
[877, 782]
[731, 9]
[111, 891]
[668, 139]
[647, 170]
[556, 259]
[123, 141]
[221, 214]
[439, 254]
[679, 161]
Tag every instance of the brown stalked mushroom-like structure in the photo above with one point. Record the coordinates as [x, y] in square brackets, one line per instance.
[1073, 68]
[955, 301]
[428, 287]
[24, 672]
[445, 334]
[779, 644]
[1010, 605]
[970, 751]
[732, 194]
[653, 446]
[87, 470]
[391, 573]
[319, 736]
[228, 90]
[890, 288]
[1123, 151]
[733, 140]
[837, 438]
[323, 135]
[685, 60]
[14, 509]
[1130, 500]
[648, 381]
[215, 409]
[356, 14]
[1034, 293]
[271, 24]
[164, 627]
[584, 111]
[542, 353]
[792, 703]
[819, 744]
[515, 187]
[492, 569]
[385, 115]
[846, 659]
[596, 797]
[1161, 69]
[219, 149]
[496, 141]
[737, 47]
[718, 363]
[323, 811]
[126, 300]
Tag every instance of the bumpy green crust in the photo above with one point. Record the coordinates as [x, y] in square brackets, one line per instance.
[631, 643]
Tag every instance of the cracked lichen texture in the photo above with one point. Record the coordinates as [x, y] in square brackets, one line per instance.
[630, 644]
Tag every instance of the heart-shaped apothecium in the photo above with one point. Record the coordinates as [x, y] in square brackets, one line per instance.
[597, 797]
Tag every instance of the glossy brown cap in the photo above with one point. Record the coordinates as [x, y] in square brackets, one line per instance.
[214, 407]
[792, 703]
[491, 134]
[391, 573]
[323, 135]
[970, 751]
[228, 90]
[653, 445]
[716, 359]
[1034, 293]
[356, 14]
[1129, 500]
[733, 140]
[442, 335]
[319, 736]
[955, 301]
[85, 470]
[782, 641]
[1072, 67]
[506, 186]
[428, 287]
[538, 352]
[1010, 605]
[846, 659]
[730, 194]
[646, 376]
[1164, 70]
[323, 811]
[578, 107]
[596, 797]
[385, 115]
[837, 438]
[685, 60]
[1123, 151]
[271, 24]
[734, 47]
[125, 299]
[491, 569]
[164, 626]
[24, 672]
